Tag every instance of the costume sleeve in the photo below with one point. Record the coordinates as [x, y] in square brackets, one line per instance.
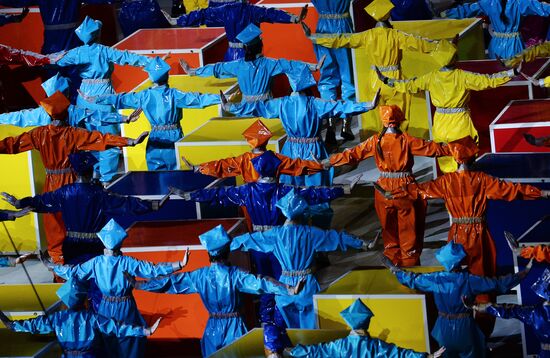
[355, 154]
[182, 283]
[116, 204]
[423, 282]
[38, 325]
[211, 16]
[332, 240]
[26, 118]
[272, 15]
[223, 168]
[257, 241]
[123, 100]
[464, 11]
[328, 349]
[70, 58]
[117, 328]
[145, 269]
[249, 283]
[356, 40]
[195, 99]
[482, 284]
[415, 43]
[83, 271]
[506, 311]
[297, 167]
[435, 189]
[427, 148]
[125, 57]
[19, 144]
[541, 253]
[479, 82]
[97, 118]
[49, 202]
[502, 190]
[223, 196]
[318, 195]
[340, 109]
[219, 70]
[413, 85]
[384, 349]
[534, 7]
[530, 54]
[94, 140]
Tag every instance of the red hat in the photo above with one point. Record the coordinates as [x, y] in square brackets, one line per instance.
[464, 149]
[392, 116]
[56, 105]
[257, 135]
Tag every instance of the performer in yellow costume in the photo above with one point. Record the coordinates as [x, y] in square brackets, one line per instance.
[383, 46]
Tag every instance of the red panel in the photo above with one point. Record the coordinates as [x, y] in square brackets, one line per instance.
[526, 112]
[167, 39]
[28, 35]
[511, 139]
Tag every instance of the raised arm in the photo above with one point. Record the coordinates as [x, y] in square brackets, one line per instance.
[479, 82]
[257, 241]
[195, 99]
[355, 154]
[26, 118]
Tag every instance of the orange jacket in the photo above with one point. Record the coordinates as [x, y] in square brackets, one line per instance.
[541, 253]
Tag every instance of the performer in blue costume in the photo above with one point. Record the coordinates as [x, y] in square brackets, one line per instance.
[219, 286]
[77, 116]
[455, 328]
[107, 271]
[10, 18]
[85, 208]
[359, 343]
[235, 17]
[140, 14]
[255, 72]
[505, 17]
[294, 245]
[162, 106]
[96, 64]
[411, 10]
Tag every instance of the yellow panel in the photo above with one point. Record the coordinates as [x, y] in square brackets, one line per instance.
[21, 298]
[24, 344]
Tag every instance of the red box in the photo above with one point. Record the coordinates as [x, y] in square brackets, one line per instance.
[197, 46]
[516, 119]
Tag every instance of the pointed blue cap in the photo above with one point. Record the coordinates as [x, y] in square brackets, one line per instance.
[82, 162]
[157, 69]
[358, 315]
[88, 30]
[542, 286]
[54, 84]
[302, 80]
[292, 205]
[450, 255]
[215, 240]
[250, 35]
[266, 164]
[73, 292]
[112, 235]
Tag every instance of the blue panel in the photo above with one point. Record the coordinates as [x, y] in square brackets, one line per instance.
[515, 165]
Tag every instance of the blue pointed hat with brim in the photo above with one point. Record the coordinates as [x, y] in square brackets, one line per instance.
[250, 35]
[82, 162]
[292, 205]
[215, 240]
[88, 30]
[450, 255]
[54, 84]
[157, 69]
[112, 235]
[358, 315]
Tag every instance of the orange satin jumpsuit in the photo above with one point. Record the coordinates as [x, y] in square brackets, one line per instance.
[541, 253]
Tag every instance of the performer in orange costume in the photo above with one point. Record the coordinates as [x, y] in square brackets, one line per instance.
[402, 219]
[55, 142]
[257, 135]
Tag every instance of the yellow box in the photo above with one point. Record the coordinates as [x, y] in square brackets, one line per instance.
[222, 137]
[400, 314]
[252, 343]
[134, 158]
[23, 176]
[20, 301]
[470, 47]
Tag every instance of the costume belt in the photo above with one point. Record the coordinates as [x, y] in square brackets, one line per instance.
[58, 171]
[261, 227]
[304, 140]
[386, 68]
[506, 35]
[116, 298]
[545, 346]
[334, 16]
[256, 97]
[454, 315]
[95, 81]
[70, 25]
[236, 44]
[300, 273]
[468, 220]
[76, 353]
[451, 110]
[222, 315]
[82, 235]
[395, 175]
[166, 127]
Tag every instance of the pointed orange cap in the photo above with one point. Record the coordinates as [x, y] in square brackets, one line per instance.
[391, 116]
[464, 149]
[257, 135]
[56, 105]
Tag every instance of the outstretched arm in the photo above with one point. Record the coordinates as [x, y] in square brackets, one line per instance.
[268, 14]
[224, 196]
[356, 40]
[507, 311]
[38, 325]
[19, 144]
[423, 282]
[500, 285]
[223, 168]
[123, 100]
[497, 189]
[26, 118]
[426, 148]
[463, 11]
[182, 283]
[218, 70]
[534, 7]
[332, 240]
[479, 82]
[257, 241]
[195, 99]
[317, 195]
[355, 154]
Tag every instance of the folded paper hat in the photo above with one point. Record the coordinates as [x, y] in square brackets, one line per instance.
[250, 35]
[266, 164]
[215, 240]
[358, 315]
[56, 105]
[257, 135]
[82, 162]
[444, 53]
[54, 84]
[157, 69]
[391, 115]
[292, 205]
[450, 255]
[112, 235]
[380, 9]
[88, 30]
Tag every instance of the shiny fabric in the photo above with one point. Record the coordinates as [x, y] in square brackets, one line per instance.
[140, 14]
[56, 106]
[242, 165]
[219, 287]
[254, 77]
[411, 10]
[162, 106]
[234, 17]
[541, 253]
[461, 336]
[295, 246]
[96, 62]
[215, 240]
[383, 47]
[502, 46]
[78, 330]
[8, 19]
[402, 219]
[450, 88]
[354, 346]
[530, 54]
[117, 303]
[537, 317]
[55, 143]
[85, 208]
[12, 56]
[466, 194]
[337, 68]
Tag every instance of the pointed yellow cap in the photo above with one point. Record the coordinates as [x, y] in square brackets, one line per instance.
[444, 53]
[379, 9]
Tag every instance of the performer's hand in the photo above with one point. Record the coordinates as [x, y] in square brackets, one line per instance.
[303, 14]
[438, 353]
[512, 242]
[171, 20]
[138, 140]
[317, 66]
[23, 14]
[150, 330]
[518, 68]
[192, 167]
[386, 194]
[348, 187]
[370, 245]
[533, 81]
[502, 62]
[183, 194]
[134, 116]
[23, 258]
[294, 290]
[545, 194]
[6, 321]
[226, 106]
[381, 77]
[91, 99]
[185, 259]
[14, 214]
[12, 200]
[46, 260]
[326, 164]
[307, 30]
[376, 99]
[389, 264]
[188, 69]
